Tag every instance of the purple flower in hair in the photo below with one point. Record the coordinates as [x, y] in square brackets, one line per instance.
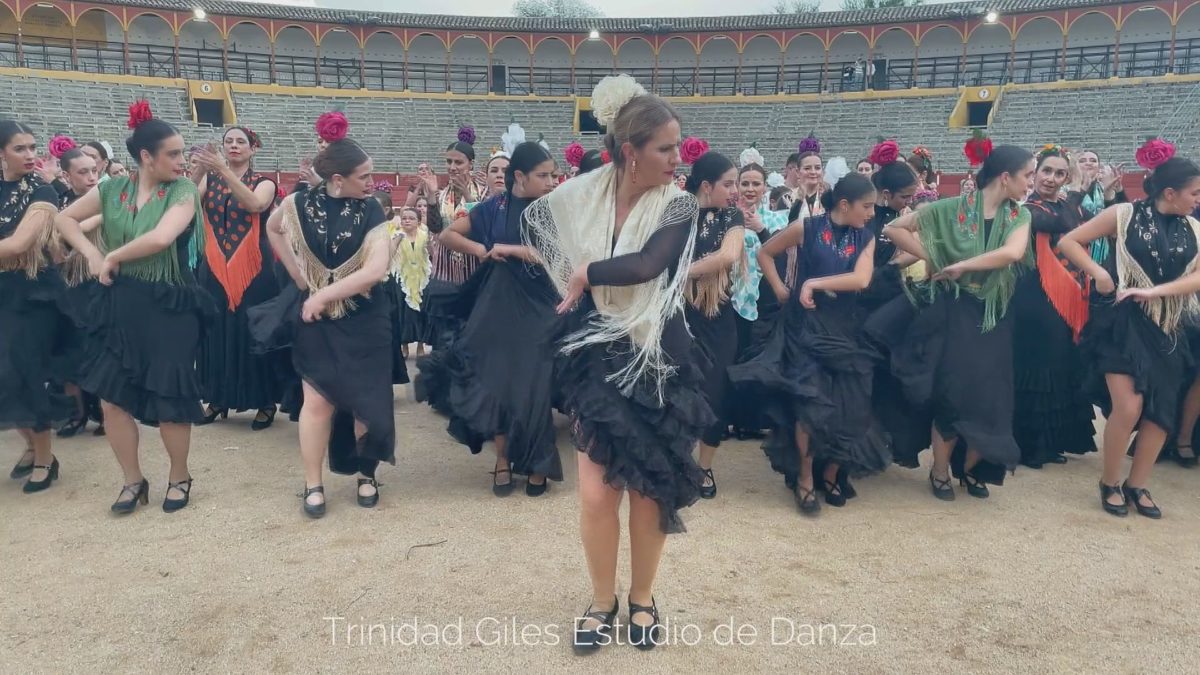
[467, 135]
[810, 144]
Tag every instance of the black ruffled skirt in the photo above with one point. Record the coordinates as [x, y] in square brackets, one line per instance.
[815, 372]
[441, 308]
[142, 343]
[1053, 414]
[716, 338]
[396, 307]
[348, 361]
[232, 376]
[644, 444]
[496, 375]
[954, 374]
[1121, 339]
[30, 325]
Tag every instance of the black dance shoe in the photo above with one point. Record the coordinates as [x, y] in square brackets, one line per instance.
[32, 486]
[211, 414]
[173, 505]
[975, 487]
[139, 493]
[1058, 458]
[314, 510]
[843, 480]
[941, 488]
[21, 469]
[502, 489]
[1186, 461]
[806, 500]
[833, 493]
[1134, 496]
[644, 637]
[1107, 491]
[368, 501]
[708, 491]
[536, 489]
[99, 430]
[72, 427]
[264, 419]
[588, 640]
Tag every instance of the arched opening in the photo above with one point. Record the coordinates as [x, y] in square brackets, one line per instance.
[1091, 48]
[940, 59]
[427, 64]
[383, 66]
[593, 62]
[99, 42]
[1146, 44]
[677, 64]
[552, 68]
[512, 67]
[340, 60]
[248, 52]
[635, 58]
[151, 47]
[200, 51]
[1039, 52]
[989, 50]
[468, 66]
[45, 37]
[760, 67]
[718, 72]
[893, 60]
[847, 69]
[295, 58]
[1187, 42]
[804, 65]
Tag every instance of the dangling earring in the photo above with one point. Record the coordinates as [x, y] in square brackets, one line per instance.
[635, 171]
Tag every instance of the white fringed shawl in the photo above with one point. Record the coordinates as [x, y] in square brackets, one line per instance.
[574, 225]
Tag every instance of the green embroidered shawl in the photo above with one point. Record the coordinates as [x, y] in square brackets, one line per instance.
[123, 223]
[952, 230]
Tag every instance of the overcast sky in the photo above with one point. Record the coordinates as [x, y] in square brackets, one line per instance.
[611, 8]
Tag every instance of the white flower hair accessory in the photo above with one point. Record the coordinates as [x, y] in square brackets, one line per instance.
[512, 138]
[775, 180]
[751, 155]
[835, 170]
[611, 94]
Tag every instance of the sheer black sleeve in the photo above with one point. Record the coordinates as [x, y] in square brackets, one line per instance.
[1042, 219]
[660, 252]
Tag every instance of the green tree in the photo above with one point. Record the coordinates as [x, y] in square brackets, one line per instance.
[854, 5]
[559, 9]
[797, 6]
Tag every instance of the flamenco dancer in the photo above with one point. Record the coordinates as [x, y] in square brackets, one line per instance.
[79, 177]
[716, 261]
[1053, 414]
[333, 239]
[145, 319]
[1099, 184]
[29, 317]
[236, 203]
[961, 333]
[411, 269]
[508, 399]
[1135, 349]
[815, 375]
[625, 233]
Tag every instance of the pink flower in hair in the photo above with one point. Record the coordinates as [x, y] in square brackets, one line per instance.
[332, 126]
[59, 145]
[692, 149]
[574, 154]
[1153, 153]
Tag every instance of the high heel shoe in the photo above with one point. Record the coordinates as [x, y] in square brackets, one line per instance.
[806, 499]
[314, 510]
[21, 469]
[72, 427]
[1186, 462]
[368, 501]
[269, 414]
[644, 637]
[502, 489]
[833, 493]
[32, 486]
[211, 414]
[941, 488]
[173, 505]
[588, 640]
[843, 480]
[140, 493]
[1135, 496]
[975, 487]
[708, 491]
[1107, 491]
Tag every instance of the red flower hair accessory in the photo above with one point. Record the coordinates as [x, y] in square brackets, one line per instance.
[574, 154]
[1153, 153]
[139, 113]
[692, 149]
[884, 153]
[332, 126]
[976, 149]
[59, 145]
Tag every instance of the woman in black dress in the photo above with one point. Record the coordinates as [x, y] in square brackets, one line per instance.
[510, 311]
[333, 239]
[953, 356]
[237, 272]
[79, 177]
[144, 319]
[716, 261]
[29, 315]
[626, 233]
[1053, 414]
[814, 373]
[1135, 350]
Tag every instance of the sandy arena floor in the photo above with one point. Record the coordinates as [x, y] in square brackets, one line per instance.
[1037, 578]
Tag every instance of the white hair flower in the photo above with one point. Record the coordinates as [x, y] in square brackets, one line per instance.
[611, 94]
[514, 137]
[775, 180]
[751, 155]
[835, 170]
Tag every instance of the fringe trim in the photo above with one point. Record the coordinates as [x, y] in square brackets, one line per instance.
[1061, 287]
[1166, 313]
[38, 256]
[236, 273]
[316, 274]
